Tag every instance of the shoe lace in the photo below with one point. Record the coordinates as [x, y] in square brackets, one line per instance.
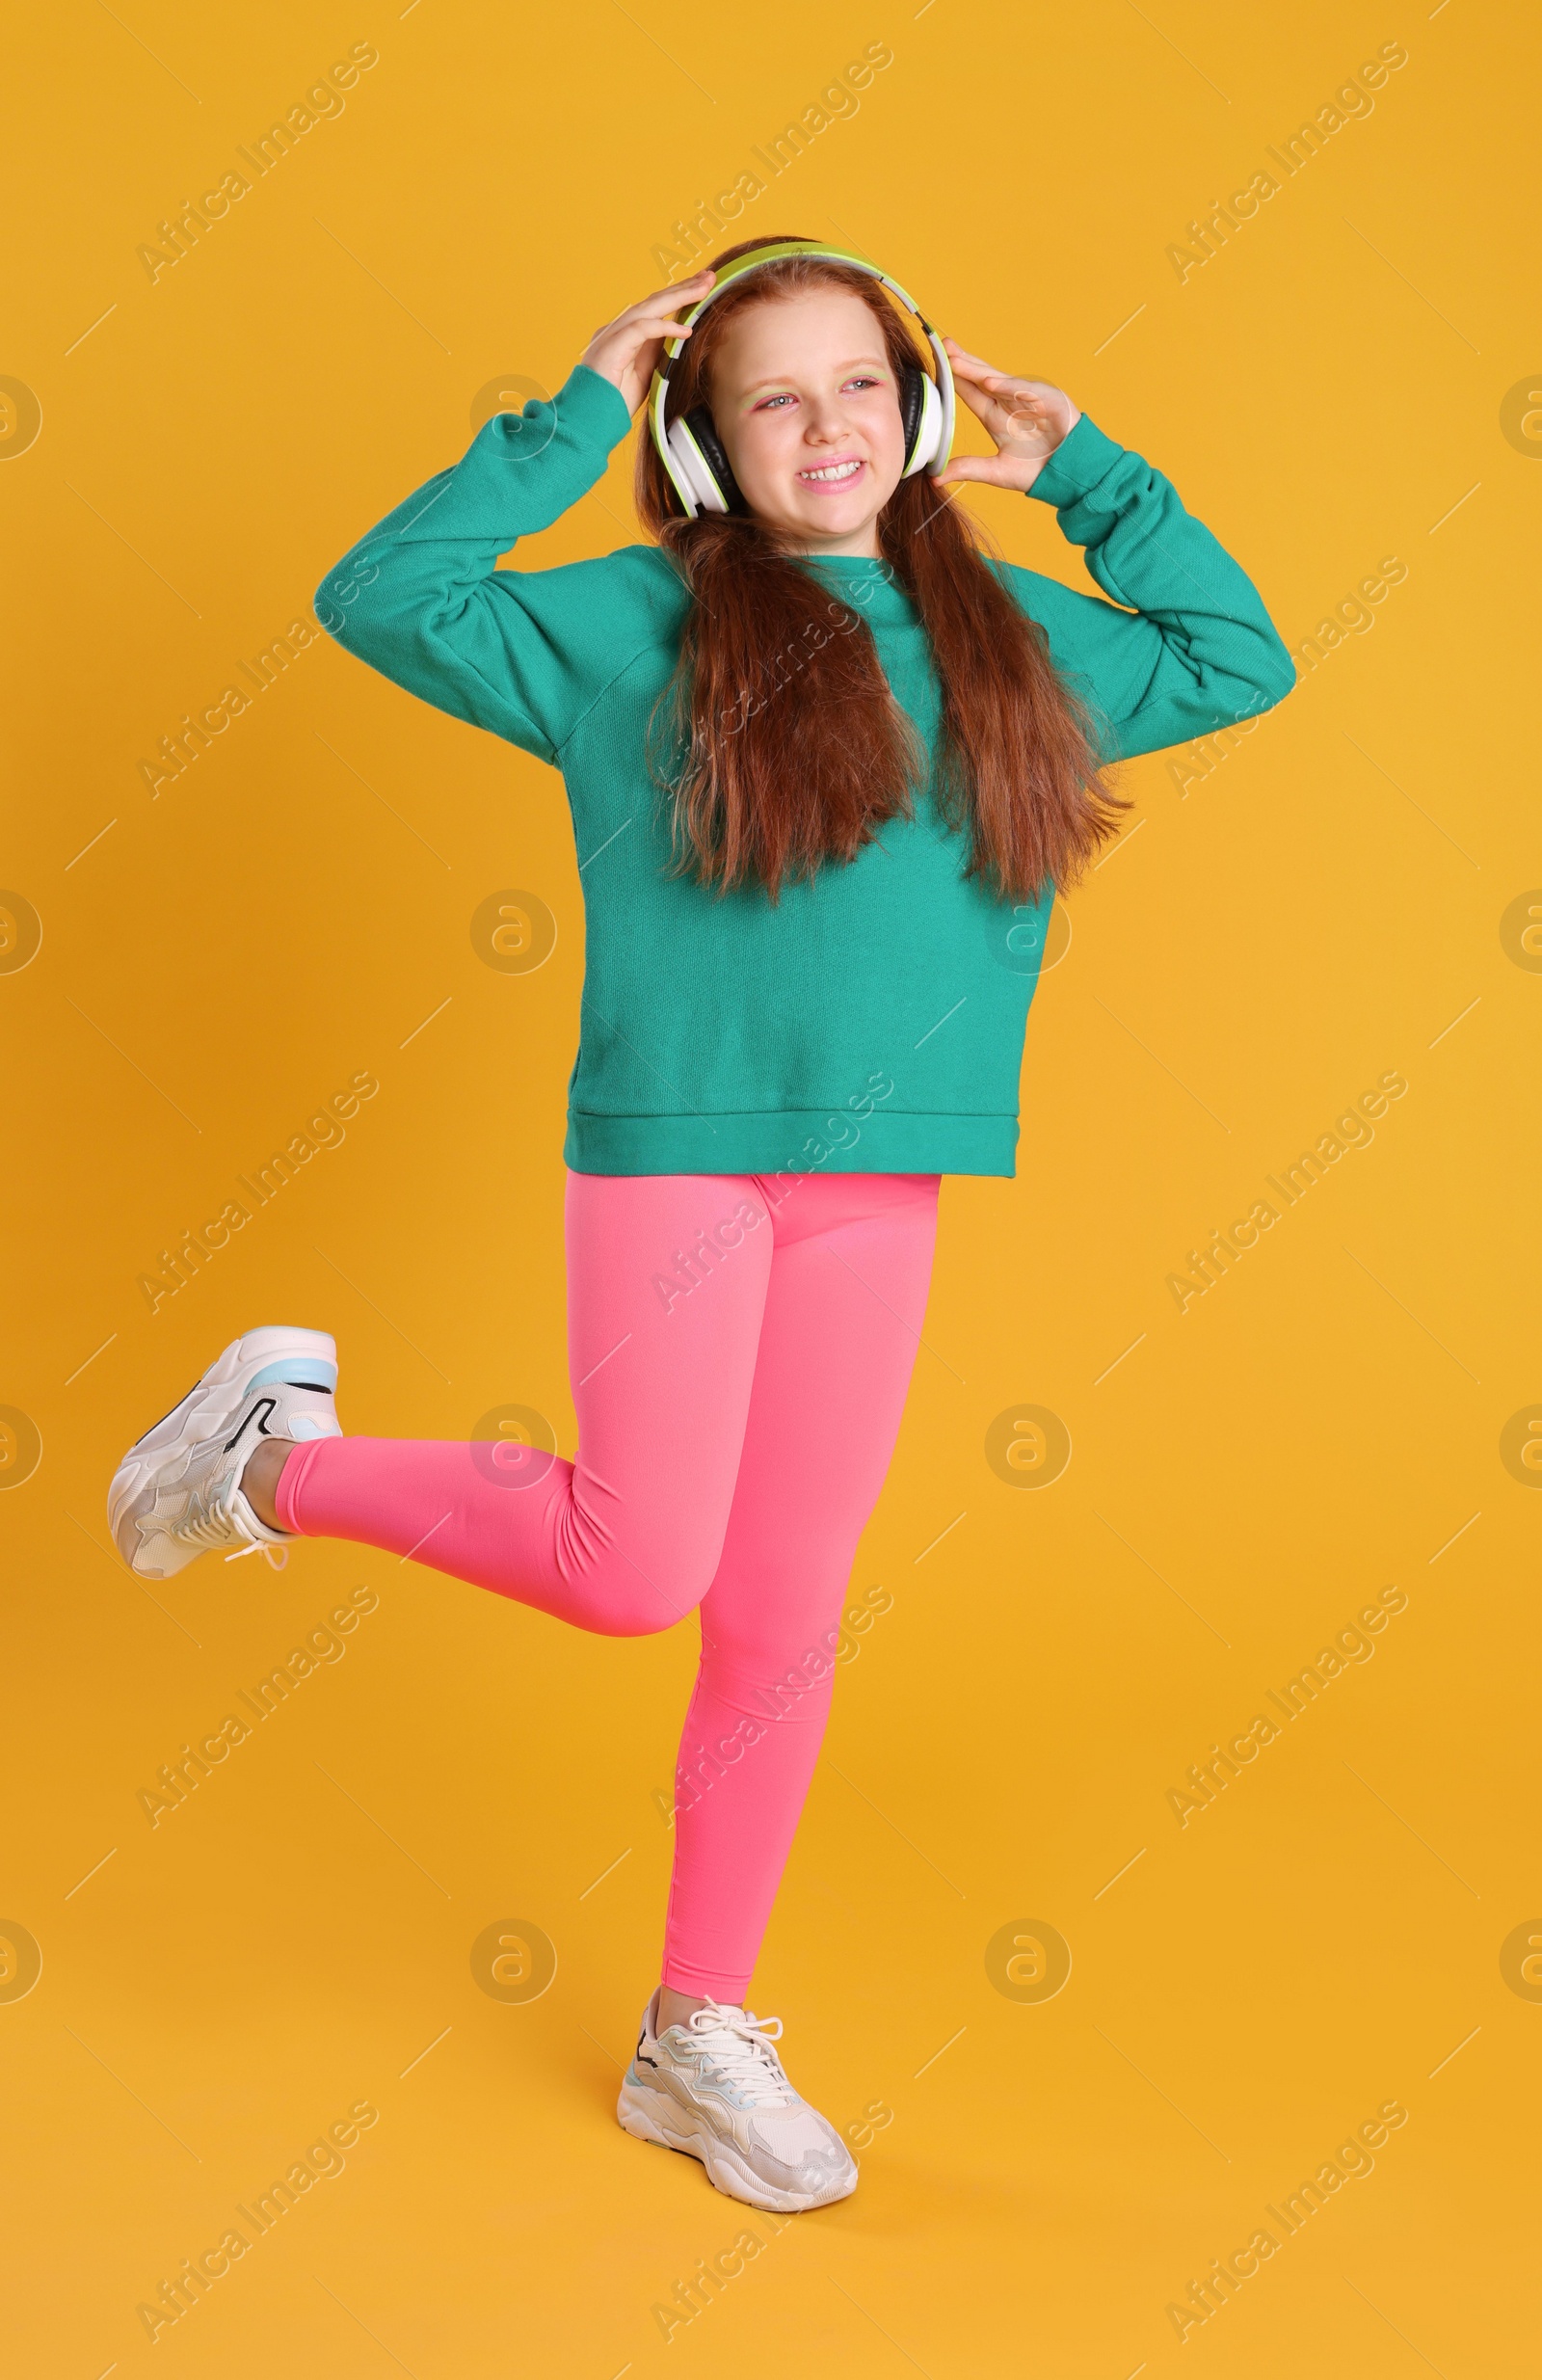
[278, 1555]
[205, 1529]
[738, 2043]
[213, 1525]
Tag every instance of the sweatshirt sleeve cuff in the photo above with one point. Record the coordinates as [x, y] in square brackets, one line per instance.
[594, 406]
[1078, 463]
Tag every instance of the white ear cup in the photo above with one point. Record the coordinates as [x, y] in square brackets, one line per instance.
[946, 405]
[694, 483]
[928, 438]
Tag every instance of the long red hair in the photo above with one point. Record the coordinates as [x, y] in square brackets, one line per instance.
[767, 788]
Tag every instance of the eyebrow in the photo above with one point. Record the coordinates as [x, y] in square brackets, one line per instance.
[774, 379]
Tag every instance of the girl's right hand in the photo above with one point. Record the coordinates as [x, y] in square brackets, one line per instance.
[628, 351]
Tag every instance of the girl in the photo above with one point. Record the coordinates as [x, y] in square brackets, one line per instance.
[827, 765]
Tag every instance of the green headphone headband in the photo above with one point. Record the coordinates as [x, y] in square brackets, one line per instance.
[693, 472]
[775, 249]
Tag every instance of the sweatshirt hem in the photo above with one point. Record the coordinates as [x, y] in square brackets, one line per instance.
[790, 1142]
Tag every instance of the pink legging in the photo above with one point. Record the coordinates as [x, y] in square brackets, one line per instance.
[740, 1348]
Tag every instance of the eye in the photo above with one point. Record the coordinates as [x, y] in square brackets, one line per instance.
[783, 398]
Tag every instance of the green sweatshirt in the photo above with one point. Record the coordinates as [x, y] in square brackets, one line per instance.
[873, 1020]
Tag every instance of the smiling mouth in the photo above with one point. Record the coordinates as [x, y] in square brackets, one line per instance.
[833, 474]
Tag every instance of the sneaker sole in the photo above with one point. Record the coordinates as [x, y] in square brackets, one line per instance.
[642, 2114]
[210, 1404]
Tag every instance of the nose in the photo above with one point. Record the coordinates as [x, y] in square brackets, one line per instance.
[826, 424]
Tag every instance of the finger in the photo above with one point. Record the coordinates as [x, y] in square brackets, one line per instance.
[643, 339]
[659, 305]
[976, 365]
[1006, 386]
[986, 376]
[644, 326]
[979, 404]
[989, 470]
[662, 300]
[997, 408]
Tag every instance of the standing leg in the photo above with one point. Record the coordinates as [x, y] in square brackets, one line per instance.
[849, 1280]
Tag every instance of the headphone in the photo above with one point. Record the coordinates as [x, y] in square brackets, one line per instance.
[693, 453]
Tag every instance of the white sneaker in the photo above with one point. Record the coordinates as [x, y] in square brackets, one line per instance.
[715, 2089]
[177, 1491]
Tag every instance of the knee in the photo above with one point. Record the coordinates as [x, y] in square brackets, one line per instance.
[637, 1574]
[661, 1577]
[636, 1618]
[649, 1604]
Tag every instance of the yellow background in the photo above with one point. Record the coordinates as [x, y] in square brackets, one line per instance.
[1326, 392]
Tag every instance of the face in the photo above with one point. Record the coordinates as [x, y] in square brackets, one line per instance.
[803, 386]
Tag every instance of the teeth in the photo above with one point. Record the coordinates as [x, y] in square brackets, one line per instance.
[832, 470]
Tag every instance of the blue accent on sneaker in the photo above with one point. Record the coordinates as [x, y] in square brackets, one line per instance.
[297, 1371]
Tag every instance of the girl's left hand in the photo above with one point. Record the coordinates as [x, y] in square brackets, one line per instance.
[1027, 419]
